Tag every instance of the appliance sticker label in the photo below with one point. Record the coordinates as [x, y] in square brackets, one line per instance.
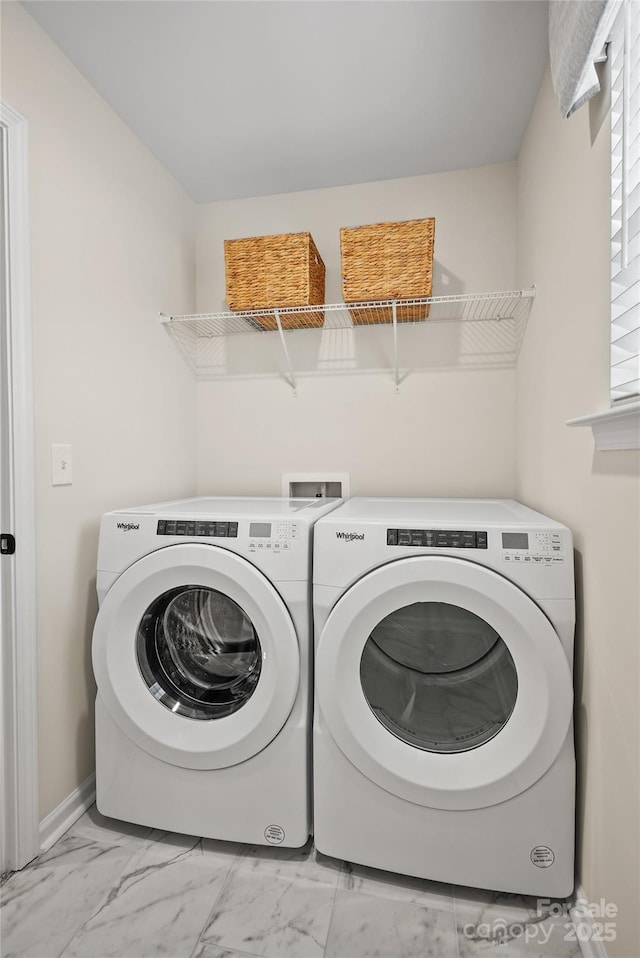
[274, 834]
[542, 856]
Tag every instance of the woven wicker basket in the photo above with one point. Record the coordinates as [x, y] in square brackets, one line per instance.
[387, 261]
[273, 272]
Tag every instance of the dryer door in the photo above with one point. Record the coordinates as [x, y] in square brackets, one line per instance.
[196, 656]
[443, 683]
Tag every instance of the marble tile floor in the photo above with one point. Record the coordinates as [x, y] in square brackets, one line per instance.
[110, 890]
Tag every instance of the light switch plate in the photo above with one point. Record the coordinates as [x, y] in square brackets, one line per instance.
[61, 465]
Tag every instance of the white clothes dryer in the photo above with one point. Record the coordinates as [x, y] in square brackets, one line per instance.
[443, 736]
[202, 657]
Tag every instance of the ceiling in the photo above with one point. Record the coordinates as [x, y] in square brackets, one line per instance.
[243, 98]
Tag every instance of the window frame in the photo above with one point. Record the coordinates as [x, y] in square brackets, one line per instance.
[619, 426]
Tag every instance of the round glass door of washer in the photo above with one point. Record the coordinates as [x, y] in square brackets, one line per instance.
[438, 677]
[198, 652]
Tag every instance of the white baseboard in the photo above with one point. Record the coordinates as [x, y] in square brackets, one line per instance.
[593, 947]
[67, 813]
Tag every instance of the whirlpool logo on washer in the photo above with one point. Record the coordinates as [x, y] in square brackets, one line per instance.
[350, 536]
[128, 526]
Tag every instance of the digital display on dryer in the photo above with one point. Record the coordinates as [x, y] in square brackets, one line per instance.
[515, 540]
[260, 529]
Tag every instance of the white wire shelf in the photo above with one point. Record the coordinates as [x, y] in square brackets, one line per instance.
[470, 307]
[508, 311]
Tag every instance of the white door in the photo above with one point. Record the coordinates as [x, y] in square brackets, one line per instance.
[6, 624]
[443, 683]
[19, 839]
[196, 656]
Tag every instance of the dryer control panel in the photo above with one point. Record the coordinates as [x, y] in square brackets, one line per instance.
[540, 547]
[273, 537]
[197, 527]
[261, 537]
[437, 538]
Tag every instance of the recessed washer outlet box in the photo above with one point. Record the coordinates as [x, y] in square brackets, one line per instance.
[318, 485]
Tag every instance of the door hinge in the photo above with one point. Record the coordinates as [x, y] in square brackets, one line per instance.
[7, 544]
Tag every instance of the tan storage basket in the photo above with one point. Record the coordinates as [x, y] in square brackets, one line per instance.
[387, 261]
[273, 272]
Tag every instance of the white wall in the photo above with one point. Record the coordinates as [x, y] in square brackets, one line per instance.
[450, 430]
[112, 244]
[563, 244]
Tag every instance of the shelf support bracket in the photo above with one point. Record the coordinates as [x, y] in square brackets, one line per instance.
[292, 379]
[396, 371]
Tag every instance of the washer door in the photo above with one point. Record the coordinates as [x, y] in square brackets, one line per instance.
[196, 656]
[443, 683]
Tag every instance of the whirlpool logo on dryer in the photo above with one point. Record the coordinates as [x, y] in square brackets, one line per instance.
[349, 536]
[128, 526]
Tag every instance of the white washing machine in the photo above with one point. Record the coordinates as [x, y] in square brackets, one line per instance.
[202, 657]
[443, 737]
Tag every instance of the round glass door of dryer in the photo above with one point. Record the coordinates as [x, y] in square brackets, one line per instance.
[443, 682]
[198, 652]
[438, 677]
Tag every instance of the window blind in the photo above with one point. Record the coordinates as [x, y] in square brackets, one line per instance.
[625, 203]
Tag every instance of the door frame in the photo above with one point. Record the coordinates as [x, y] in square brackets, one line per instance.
[19, 818]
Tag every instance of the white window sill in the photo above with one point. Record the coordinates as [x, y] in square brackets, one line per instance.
[618, 428]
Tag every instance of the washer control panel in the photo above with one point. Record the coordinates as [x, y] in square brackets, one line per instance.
[540, 547]
[274, 537]
[437, 538]
[197, 527]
